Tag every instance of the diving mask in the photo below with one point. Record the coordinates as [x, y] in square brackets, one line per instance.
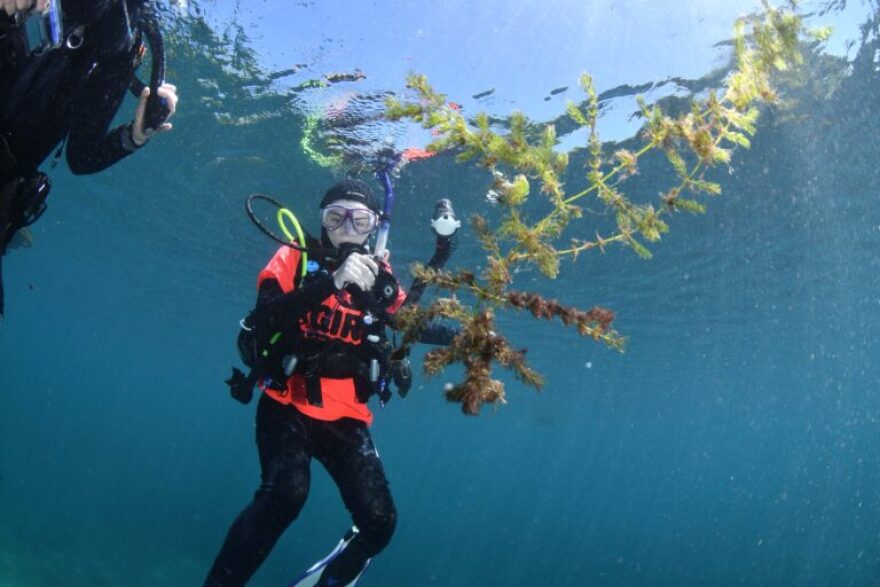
[363, 220]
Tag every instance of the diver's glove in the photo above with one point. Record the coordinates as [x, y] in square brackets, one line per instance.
[240, 387]
[357, 269]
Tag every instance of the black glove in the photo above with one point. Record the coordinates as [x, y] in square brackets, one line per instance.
[240, 387]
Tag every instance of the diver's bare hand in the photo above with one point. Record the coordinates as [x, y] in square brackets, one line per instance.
[141, 135]
[361, 270]
[11, 7]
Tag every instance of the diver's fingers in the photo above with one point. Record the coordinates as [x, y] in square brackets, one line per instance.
[43, 5]
[359, 275]
[138, 134]
[164, 127]
[370, 264]
[387, 256]
[357, 279]
[141, 107]
[369, 280]
[365, 276]
[11, 7]
[169, 92]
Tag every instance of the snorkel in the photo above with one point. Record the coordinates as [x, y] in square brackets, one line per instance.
[386, 288]
[385, 224]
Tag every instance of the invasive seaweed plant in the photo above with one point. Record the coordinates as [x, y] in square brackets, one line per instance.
[694, 141]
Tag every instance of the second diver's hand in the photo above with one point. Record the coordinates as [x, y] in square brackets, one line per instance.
[139, 134]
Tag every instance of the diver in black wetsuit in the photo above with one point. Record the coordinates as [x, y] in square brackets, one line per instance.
[318, 409]
[70, 94]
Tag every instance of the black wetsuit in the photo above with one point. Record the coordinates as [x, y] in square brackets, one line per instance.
[287, 441]
[67, 93]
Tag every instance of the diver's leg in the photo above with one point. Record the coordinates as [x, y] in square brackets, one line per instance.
[351, 459]
[283, 445]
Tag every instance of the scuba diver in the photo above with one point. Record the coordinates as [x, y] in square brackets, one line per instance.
[332, 309]
[63, 75]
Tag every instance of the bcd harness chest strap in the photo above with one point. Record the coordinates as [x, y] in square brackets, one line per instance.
[365, 364]
[363, 359]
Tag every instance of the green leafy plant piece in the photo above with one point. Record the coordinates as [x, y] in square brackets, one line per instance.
[524, 161]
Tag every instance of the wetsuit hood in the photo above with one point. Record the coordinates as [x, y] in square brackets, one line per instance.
[351, 189]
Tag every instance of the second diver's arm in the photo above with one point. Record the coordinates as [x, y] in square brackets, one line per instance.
[91, 146]
[438, 334]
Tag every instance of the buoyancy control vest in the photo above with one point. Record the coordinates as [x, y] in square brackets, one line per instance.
[330, 358]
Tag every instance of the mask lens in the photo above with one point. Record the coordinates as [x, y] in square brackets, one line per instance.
[363, 220]
[333, 217]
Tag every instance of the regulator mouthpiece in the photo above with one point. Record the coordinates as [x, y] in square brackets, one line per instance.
[444, 222]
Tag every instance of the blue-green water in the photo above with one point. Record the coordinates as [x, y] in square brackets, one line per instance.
[734, 443]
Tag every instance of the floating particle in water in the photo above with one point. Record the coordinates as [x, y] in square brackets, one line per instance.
[588, 364]
[448, 386]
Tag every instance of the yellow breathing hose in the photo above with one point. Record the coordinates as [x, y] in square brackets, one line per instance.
[285, 214]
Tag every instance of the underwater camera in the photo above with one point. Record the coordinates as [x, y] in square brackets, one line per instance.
[385, 288]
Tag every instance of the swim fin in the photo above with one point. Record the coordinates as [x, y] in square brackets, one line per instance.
[311, 577]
